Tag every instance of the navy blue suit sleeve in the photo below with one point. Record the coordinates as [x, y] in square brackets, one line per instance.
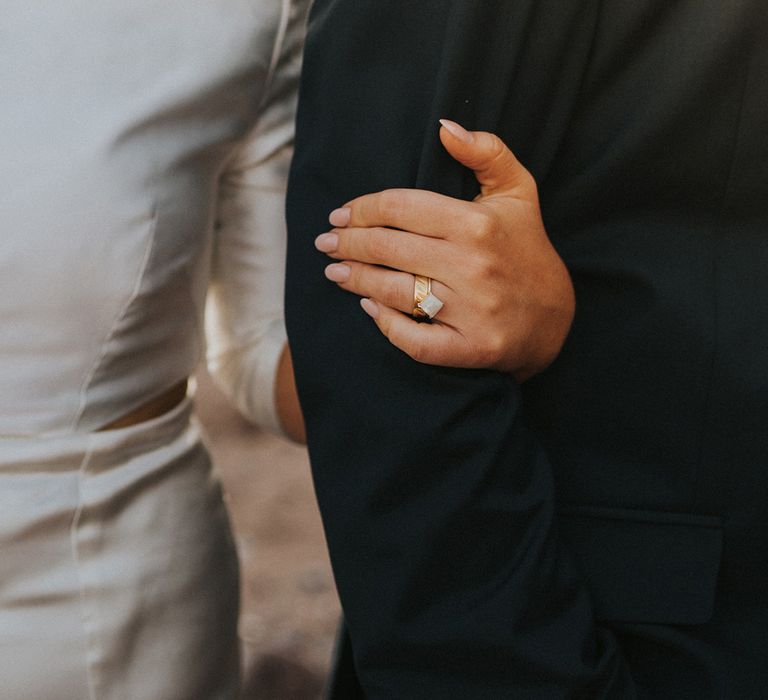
[437, 502]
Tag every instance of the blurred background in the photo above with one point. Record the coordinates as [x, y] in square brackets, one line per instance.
[289, 608]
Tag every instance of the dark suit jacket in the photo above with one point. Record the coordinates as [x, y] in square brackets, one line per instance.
[601, 532]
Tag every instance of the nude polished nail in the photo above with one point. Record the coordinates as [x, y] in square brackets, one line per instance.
[327, 242]
[457, 131]
[338, 272]
[370, 307]
[340, 217]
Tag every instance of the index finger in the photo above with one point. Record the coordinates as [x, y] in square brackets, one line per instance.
[418, 211]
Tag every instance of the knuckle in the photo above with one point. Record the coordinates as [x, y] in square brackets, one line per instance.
[485, 224]
[497, 150]
[418, 350]
[391, 294]
[528, 183]
[491, 306]
[490, 350]
[496, 345]
[381, 246]
[391, 204]
[483, 269]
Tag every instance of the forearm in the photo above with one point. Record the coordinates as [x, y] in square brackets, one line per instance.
[246, 335]
[287, 399]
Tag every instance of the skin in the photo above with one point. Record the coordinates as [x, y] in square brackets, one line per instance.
[287, 399]
[509, 300]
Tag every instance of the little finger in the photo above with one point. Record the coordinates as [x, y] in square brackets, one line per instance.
[433, 344]
[393, 288]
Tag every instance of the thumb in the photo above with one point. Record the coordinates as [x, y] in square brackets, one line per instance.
[495, 166]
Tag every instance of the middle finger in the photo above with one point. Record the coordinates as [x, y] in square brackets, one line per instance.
[397, 249]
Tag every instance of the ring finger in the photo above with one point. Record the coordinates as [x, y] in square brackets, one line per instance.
[391, 287]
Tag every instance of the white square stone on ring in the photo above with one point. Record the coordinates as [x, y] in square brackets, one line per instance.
[430, 305]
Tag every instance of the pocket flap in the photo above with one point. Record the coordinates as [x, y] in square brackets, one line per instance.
[645, 566]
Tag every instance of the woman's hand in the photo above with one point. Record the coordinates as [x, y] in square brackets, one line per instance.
[508, 298]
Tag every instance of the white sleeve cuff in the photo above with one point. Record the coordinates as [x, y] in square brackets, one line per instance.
[247, 375]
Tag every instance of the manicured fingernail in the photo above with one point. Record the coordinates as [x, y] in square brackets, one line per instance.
[338, 272]
[457, 131]
[370, 307]
[327, 242]
[340, 217]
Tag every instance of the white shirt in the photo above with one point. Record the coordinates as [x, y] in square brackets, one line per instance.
[145, 148]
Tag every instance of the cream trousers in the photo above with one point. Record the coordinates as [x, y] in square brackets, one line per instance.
[118, 574]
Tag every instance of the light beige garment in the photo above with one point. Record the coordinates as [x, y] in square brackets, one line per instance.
[145, 147]
[118, 575]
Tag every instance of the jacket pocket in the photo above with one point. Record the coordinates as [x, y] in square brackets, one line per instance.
[645, 566]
